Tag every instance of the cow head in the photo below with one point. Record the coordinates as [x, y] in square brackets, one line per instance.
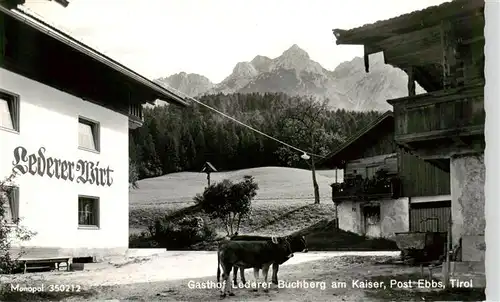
[298, 244]
[293, 243]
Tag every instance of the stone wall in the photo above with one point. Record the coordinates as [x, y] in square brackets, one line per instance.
[349, 216]
[394, 216]
[467, 193]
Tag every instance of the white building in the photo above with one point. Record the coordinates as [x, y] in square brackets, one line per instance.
[65, 114]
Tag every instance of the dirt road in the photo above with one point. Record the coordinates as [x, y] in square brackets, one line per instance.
[167, 266]
[187, 276]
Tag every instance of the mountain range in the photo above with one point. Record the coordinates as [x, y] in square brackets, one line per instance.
[295, 73]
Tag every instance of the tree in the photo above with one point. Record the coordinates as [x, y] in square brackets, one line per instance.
[171, 155]
[150, 165]
[133, 175]
[229, 202]
[199, 143]
[302, 125]
[188, 154]
[234, 142]
[8, 234]
[132, 148]
[183, 139]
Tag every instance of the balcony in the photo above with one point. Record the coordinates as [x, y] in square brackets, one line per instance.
[135, 116]
[381, 186]
[440, 124]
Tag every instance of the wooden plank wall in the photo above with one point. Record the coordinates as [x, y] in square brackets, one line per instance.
[471, 51]
[387, 161]
[420, 211]
[383, 145]
[421, 178]
[443, 110]
[473, 62]
[380, 153]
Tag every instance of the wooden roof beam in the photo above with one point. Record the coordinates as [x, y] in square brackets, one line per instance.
[418, 38]
[424, 81]
[409, 22]
[11, 4]
[419, 57]
[338, 33]
[472, 40]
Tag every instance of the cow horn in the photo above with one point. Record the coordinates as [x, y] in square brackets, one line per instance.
[274, 239]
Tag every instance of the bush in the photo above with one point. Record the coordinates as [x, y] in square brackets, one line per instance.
[176, 235]
[142, 241]
[9, 230]
[229, 202]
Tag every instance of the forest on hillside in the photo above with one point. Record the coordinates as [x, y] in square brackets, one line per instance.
[175, 139]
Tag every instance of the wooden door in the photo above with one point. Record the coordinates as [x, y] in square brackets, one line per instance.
[372, 221]
[430, 216]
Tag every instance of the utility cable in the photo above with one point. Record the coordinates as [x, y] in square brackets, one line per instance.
[236, 121]
[305, 154]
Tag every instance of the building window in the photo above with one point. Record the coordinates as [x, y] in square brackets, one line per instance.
[9, 111]
[88, 134]
[10, 203]
[88, 211]
[371, 171]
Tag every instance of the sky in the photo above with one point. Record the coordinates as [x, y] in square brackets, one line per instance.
[158, 38]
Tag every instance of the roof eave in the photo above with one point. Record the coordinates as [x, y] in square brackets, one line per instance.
[62, 37]
[341, 40]
[356, 136]
[373, 32]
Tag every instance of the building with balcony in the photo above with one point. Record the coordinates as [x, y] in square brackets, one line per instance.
[386, 189]
[442, 49]
[65, 115]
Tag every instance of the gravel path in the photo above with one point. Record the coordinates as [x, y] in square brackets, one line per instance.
[166, 266]
[169, 276]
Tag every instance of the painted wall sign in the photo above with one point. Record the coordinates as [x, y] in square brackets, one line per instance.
[83, 171]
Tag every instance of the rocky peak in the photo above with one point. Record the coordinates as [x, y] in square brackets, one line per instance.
[295, 73]
[191, 84]
[244, 70]
[295, 52]
[261, 63]
[297, 59]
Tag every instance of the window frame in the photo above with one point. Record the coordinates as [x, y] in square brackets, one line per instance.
[14, 104]
[95, 211]
[13, 192]
[371, 168]
[96, 133]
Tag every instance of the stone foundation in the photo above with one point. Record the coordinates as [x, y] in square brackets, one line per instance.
[394, 216]
[467, 193]
[473, 248]
[467, 175]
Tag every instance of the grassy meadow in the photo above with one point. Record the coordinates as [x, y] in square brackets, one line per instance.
[284, 201]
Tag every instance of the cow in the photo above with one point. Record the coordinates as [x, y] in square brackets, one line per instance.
[276, 265]
[255, 254]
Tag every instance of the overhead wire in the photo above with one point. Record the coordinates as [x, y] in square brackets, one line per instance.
[237, 121]
[305, 153]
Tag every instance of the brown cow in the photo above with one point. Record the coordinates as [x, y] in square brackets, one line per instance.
[256, 255]
[276, 265]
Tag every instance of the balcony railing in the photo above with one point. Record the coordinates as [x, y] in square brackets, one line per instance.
[367, 188]
[135, 116]
[438, 114]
